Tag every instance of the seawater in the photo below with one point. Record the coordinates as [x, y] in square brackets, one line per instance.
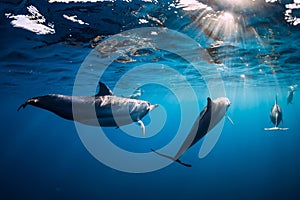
[250, 49]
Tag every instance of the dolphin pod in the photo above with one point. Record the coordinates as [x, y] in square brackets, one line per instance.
[104, 109]
[107, 110]
[210, 116]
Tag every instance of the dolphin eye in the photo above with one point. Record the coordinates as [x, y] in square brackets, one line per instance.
[148, 106]
[228, 103]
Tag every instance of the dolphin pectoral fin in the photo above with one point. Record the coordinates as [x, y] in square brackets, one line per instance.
[229, 119]
[142, 127]
[184, 164]
[171, 158]
[22, 106]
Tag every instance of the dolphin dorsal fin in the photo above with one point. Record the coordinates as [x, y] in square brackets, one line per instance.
[208, 102]
[103, 90]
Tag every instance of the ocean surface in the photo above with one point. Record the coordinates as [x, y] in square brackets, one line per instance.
[171, 53]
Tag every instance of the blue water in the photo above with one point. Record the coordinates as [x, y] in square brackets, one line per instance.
[248, 48]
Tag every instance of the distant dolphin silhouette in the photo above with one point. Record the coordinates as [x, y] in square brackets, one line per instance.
[291, 94]
[275, 116]
[210, 116]
[103, 109]
[290, 97]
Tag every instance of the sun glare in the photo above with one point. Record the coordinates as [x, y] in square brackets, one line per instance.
[236, 2]
[227, 16]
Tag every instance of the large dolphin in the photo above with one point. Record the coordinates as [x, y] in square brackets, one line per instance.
[104, 109]
[210, 116]
[276, 116]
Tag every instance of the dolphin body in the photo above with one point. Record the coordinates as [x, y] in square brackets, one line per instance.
[291, 94]
[276, 116]
[210, 116]
[290, 97]
[104, 109]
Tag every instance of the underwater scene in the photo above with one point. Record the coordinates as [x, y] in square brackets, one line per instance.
[148, 99]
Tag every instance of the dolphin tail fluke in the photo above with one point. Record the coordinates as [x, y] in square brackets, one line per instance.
[22, 106]
[172, 158]
[184, 164]
[276, 129]
[29, 101]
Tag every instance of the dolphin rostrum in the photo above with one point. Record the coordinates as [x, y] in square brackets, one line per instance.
[210, 116]
[104, 109]
[276, 116]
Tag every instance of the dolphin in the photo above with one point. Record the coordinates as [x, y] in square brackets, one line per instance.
[291, 94]
[276, 113]
[290, 97]
[104, 108]
[276, 116]
[209, 117]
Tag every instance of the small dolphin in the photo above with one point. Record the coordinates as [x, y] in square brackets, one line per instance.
[291, 94]
[290, 97]
[210, 116]
[276, 116]
[276, 113]
[104, 109]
